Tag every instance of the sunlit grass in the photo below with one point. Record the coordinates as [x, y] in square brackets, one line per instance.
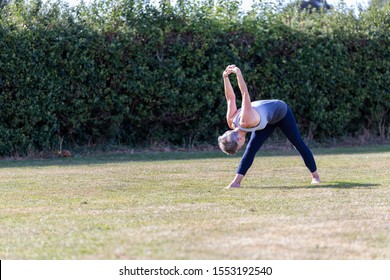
[174, 206]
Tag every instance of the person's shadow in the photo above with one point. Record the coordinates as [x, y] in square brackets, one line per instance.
[332, 185]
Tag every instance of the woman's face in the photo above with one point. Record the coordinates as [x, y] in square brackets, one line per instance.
[241, 139]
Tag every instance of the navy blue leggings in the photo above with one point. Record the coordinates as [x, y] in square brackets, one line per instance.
[290, 129]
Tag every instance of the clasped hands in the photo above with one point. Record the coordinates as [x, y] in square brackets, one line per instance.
[231, 69]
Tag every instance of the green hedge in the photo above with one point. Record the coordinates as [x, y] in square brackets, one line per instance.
[126, 72]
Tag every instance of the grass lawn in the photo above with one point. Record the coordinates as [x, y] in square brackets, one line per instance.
[174, 206]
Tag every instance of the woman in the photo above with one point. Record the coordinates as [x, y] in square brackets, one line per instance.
[260, 118]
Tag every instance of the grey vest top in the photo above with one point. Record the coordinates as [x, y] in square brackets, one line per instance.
[270, 112]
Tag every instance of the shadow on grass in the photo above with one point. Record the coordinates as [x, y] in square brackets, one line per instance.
[331, 185]
[109, 158]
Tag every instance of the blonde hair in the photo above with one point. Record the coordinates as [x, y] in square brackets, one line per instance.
[228, 142]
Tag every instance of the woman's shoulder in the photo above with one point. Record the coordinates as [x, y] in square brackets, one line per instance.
[234, 119]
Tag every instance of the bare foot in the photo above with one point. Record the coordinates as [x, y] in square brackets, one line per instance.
[315, 181]
[233, 186]
[315, 178]
[236, 183]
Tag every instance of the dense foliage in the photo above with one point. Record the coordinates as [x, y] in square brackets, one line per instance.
[131, 73]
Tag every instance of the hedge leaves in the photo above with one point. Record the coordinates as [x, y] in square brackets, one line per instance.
[127, 72]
